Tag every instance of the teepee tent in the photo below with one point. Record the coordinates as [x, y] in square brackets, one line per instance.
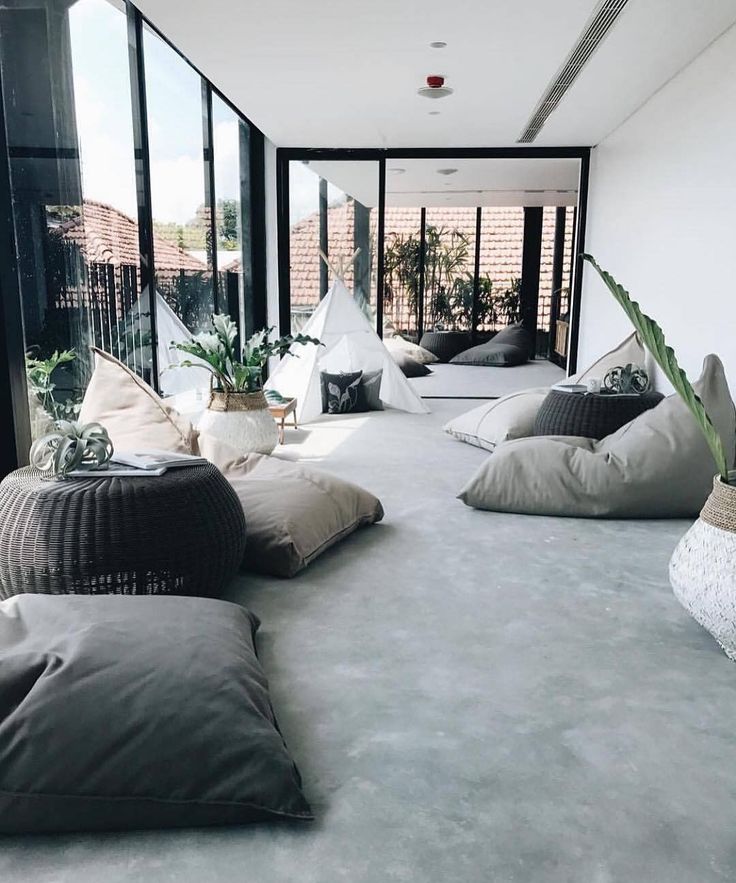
[349, 344]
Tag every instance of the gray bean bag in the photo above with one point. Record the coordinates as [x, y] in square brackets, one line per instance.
[657, 466]
[511, 346]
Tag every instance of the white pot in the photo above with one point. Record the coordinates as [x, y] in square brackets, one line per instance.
[703, 567]
[242, 420]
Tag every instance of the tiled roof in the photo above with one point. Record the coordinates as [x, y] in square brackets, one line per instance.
[106, 235]
[502, 235]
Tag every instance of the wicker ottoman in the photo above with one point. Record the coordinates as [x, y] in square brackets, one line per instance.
[590, 415]
[180, 533]
[445, 344]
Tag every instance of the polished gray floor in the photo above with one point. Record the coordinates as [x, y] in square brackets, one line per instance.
[460, 381]
[470, 697]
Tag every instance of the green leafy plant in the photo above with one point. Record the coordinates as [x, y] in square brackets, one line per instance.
[216, 349]
[71, 446]
[40, 372]
[653, 338]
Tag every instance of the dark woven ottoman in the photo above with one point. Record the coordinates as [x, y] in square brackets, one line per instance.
[590, 415]
[445, 344]
[181, 533]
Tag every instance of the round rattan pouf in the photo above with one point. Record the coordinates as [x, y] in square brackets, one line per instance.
[181, 533]
[590, 415]
[445, 344]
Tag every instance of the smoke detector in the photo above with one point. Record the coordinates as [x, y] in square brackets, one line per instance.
[435, 88]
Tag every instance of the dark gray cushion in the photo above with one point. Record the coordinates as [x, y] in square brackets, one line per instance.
[136, 712]
[370, 390]
[410, 366]
[341, 392]
[511, 346]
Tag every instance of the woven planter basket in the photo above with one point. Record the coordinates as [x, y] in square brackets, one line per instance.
[242, 420]
[703, 567]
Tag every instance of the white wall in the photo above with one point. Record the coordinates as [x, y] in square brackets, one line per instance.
[662, 216]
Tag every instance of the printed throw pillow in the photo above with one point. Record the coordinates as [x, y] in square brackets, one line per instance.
[341, 392]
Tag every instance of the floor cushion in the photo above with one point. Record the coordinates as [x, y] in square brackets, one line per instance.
[512, 416]
[131, 412]
[657, 466]
[513, 345]
[341, 392]
[409, 365]
[136, 712]
[293, 512]
[396, 345]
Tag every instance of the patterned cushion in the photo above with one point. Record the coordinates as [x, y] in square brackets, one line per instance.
[341, 393]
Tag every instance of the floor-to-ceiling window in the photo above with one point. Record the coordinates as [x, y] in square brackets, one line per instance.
[79, 186]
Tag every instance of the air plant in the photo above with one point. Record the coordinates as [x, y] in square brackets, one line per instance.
[627, 379]
[72, 446]
[653, 337]
[216, 349]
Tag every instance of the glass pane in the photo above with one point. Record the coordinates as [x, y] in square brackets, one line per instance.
[227, 147]
[181, 218]
[449, 268]
[333, 208]
[501, 250]
[402, 229]
[73, 192]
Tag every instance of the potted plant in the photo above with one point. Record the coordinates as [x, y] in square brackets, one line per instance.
[44, 409]
[703, 565]
[238, 410]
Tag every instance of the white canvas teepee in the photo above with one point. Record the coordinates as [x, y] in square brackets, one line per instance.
[350, 344]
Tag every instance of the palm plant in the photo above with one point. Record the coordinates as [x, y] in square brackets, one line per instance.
[216, 351]
[653, 337]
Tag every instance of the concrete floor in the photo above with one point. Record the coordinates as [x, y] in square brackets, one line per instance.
[460, 381]
[469, 696]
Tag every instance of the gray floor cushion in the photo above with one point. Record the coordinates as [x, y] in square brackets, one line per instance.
[657, 466]
[409, 365]
[511, 346]
[136, 712]
[293, 512]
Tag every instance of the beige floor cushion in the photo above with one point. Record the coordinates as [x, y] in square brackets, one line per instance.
[131, 412]
[293, 512]
[512, 416]
[398, 344]
[657, 466]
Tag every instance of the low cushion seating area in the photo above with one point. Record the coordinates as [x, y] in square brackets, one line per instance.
[512, 416]
[179, 533]
[590, 415]
[398, 345]
[657, 466]
[293, 512]
[511, 346]
[445, 344]
[128, 713]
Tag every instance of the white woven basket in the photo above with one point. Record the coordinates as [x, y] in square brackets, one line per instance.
[703, 567]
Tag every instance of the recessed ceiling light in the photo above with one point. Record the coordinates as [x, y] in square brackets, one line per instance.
[397, 171]
[438, 44]
[434, 113]
[446, 171]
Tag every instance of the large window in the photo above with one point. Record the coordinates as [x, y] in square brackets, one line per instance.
[71, 91]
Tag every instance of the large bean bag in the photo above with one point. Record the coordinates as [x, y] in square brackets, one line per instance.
[511, 346]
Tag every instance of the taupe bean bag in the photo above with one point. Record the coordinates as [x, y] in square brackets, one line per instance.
[657, 466]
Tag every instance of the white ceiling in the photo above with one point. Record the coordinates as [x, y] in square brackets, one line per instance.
[342, 73]
[419, 182]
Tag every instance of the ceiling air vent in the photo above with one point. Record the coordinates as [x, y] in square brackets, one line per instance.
[588, 42]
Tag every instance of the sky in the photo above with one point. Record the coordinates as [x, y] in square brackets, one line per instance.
[104, 120]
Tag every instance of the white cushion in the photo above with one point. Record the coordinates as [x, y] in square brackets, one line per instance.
[398, 344]
[512, 416]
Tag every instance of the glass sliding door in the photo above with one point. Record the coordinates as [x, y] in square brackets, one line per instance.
[69, 122]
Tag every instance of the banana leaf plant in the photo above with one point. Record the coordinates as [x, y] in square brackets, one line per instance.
[653, 338]
[71, 446]
[216, 351]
